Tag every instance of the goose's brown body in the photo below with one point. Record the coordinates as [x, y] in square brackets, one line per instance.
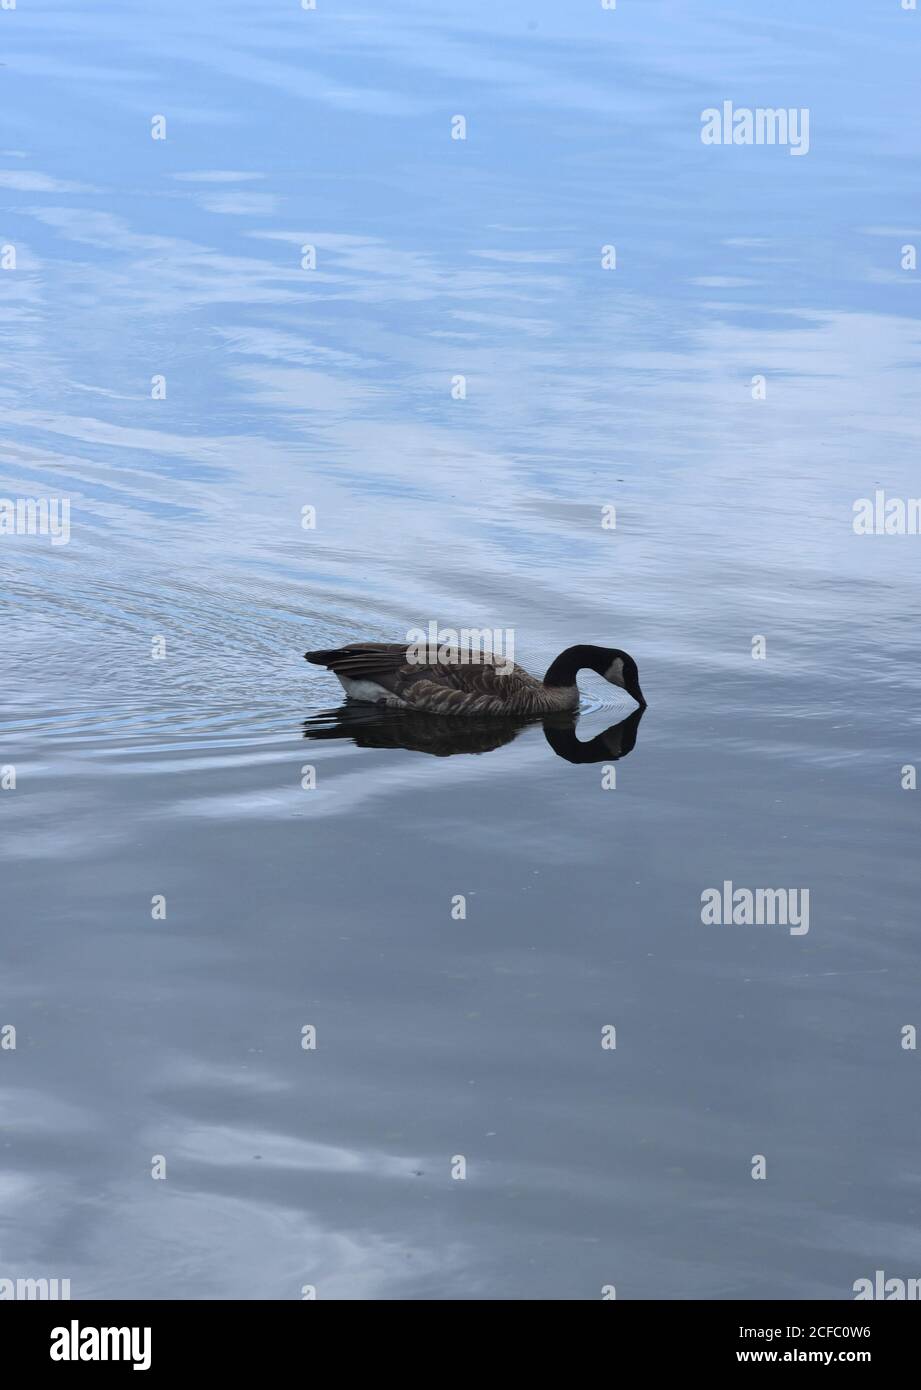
[453, 682]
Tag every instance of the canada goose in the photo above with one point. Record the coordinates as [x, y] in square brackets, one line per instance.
[445, 680]
[444, 736]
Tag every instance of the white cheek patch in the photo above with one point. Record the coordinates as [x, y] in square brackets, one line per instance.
[615, 672]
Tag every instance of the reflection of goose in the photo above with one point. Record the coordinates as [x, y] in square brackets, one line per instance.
[443, 737]
[448, 681]
[371, 727]
[616, 741]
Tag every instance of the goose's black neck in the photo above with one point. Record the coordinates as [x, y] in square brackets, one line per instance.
[568, 664]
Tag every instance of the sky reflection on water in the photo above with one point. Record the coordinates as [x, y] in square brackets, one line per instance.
[331, 388]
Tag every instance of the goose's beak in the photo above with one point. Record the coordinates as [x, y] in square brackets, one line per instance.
[638, 696]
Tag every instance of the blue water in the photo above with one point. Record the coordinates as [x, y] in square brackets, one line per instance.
[180, 775]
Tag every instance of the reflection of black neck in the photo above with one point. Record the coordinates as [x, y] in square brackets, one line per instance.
[568, 664]
[616, 742]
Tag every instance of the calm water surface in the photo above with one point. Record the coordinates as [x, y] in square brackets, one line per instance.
[331, 907]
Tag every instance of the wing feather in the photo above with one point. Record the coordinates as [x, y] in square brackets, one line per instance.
[453, 682]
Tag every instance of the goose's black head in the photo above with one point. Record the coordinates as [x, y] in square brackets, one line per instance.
[616, 666]
[622, 670]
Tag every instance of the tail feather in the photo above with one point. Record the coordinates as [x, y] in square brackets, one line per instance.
[361, 659]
